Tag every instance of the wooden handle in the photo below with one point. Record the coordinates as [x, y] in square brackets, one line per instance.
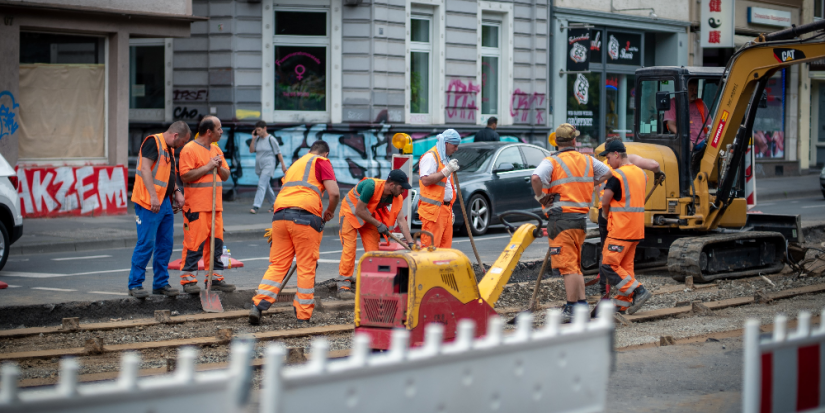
[212, 234]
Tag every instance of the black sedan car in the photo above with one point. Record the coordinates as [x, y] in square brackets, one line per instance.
[494, 178]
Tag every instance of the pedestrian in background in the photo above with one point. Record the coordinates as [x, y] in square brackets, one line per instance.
[267, 152]
[155, 207]
[489, 133]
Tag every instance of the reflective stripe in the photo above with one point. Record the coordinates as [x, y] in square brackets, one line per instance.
[627, 207]
[621, 304]
[271, 283]
[305, 301]
[352, 208]
[563, 165]
[632, 287]
[304, 184]
[588, 177]
[160, 183]
[430, 201]
[571, 204]
[306, 290]
[563, 181]
[630, 209]
[202, 185]
[441, 184]
[268, 294]
[622, 283]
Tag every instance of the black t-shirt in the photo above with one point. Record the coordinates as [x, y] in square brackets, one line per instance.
[486, 135]
[614, 185]
[149, 150]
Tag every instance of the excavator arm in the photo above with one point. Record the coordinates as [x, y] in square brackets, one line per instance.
[746, 76]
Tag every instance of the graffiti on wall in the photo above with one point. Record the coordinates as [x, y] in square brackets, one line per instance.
[190, 95]
[528, 108]
[8, 121]
[460, 106]
[74, 191]
[184, 113]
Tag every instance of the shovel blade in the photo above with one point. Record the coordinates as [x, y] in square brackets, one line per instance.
[211, 302]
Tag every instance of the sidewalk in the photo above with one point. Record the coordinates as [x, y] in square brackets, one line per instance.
[786, 187]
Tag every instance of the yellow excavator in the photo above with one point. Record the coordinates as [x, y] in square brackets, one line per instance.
[699, 218]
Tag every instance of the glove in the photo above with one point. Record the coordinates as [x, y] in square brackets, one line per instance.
[658, 175]
[268, 236]
[411, 245]
[382, 229]
[451, 167]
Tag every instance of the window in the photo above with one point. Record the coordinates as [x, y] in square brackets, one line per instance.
[420, 68]
[146, 77]
[769, 125]
[819, 9]
[510, 155]
[60, 49]
[301, 44]
[621, 107]
[583, 106]
[534, 156]
[651, 121]
[490, 56]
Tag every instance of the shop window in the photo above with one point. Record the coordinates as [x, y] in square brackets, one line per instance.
[769, 125]
[819, 9]
[620, 91]
[490, 56]
[651, 121]
[146, 77]
[301, 59]
[421, 49]
[583, 106]
[60, 49]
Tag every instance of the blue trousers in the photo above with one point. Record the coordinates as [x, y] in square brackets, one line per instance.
[155, 234]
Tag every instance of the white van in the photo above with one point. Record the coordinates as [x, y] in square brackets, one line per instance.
[11, 221]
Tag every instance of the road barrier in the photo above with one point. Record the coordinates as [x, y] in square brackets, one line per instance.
[553, 369]
[784, 372]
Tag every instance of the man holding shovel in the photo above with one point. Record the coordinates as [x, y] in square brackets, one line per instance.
[198, 159]
[435, 201]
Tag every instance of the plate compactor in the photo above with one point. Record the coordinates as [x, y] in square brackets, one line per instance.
[410, 289]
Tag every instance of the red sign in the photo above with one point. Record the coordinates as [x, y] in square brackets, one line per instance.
[719, 129]
[72, 191]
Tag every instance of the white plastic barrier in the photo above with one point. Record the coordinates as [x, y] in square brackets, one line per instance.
[553, 369]
[786, 372]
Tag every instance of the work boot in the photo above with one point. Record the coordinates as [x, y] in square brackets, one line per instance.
[640, 296]
[254, 315]
[167, 290]
[566, 314]
[191, 288]
[139, 293]
[345, 293]
[221, 286]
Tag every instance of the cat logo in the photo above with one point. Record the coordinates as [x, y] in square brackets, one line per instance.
[787, 55]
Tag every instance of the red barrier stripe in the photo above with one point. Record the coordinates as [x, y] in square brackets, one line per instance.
[766, 402]
[807, 384]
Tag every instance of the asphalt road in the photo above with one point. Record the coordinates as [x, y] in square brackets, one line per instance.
[103, 274]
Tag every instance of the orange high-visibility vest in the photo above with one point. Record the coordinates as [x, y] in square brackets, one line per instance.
[301, 189]
[572, 179]
[382, 215]
[160, 172]
[627, 217]
[431, 198]
[197, 194]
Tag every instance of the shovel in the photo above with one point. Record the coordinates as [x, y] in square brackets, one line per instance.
[531, 307]
[210, 301]
[400, 241]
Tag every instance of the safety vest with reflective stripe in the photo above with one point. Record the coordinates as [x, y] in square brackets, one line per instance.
[160, 172]
[627, 217]
[431, 198]
[381, 214]
[572, 179]
[301, 189]
[198, 193]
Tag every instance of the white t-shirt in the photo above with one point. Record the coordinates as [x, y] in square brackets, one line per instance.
[428, 166]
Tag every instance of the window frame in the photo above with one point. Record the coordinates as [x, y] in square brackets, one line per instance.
[503, 14]
[421, 47]
[501, 151]
[165, 114]
[492, 52]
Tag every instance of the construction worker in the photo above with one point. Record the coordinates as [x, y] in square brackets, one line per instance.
[297, 227]
[197, 161]
[563, 185]
[369, 209]
[435, 200]
[623, 205]
[155, 208]
[641, 162]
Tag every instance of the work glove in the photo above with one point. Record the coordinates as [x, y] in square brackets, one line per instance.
[659, 175]
[451, 167]
[383, 230]
[268, 236]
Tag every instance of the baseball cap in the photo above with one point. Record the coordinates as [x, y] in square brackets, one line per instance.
[613, 146]
[397, 175]
[566, 132]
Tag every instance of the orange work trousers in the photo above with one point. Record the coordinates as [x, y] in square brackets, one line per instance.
[291, 241]
[197, 228]
[442, 228]
[617, 266]
[566, 252]
[349, 235]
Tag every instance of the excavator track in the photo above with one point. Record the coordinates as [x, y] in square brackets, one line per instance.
[731, 255]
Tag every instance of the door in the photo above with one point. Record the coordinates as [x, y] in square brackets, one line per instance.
[510, 189]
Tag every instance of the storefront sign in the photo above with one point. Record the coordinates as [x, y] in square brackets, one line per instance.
[72, 191]
[624, 48]
[717, 23]
[578, 50]
[596, 46]
[769, 17]
[300, 78]
[580, 89]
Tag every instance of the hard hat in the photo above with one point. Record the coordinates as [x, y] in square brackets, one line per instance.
[551, 139]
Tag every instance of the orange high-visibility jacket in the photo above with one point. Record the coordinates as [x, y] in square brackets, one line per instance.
[382, 215]
[431, 197]
[301, 188]
[572, 179]
[627, 217]
[160, 172]
[197, 194]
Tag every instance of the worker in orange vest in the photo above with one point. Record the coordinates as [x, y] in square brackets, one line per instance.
[197, 161]
[297, 228]
[437, 192]
[371, 208]
[563, 185]
[623, 205]
[641, 162]
[155, 209]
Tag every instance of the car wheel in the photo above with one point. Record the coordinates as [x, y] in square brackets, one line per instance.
[478, 210]
[4, 245]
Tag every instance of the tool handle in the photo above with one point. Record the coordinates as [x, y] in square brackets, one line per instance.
[212, 234]
[655, 184]
[534, 299]
[467, 223]
[400, 241]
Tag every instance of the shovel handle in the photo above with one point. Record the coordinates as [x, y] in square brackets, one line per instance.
[655, 184]
[400, 241]
[212, 234]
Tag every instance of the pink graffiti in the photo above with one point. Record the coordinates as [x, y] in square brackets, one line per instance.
[301, 72]
[315, 59]
[521, 104]
[461, 100]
